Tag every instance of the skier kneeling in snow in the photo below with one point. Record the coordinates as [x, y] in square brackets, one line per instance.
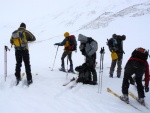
[84, 74]
[88, 47]
[137, 65]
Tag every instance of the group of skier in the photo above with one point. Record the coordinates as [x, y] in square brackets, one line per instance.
[137, 64]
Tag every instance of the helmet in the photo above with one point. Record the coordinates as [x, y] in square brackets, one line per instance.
[66, 34]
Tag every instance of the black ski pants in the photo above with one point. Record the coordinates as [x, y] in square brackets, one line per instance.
[23, 55]
[134, 67]
[65, 53]
[90, 61]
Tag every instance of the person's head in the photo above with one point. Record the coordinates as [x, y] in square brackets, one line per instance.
[66, 34]
[114, 36]
[23, 25]
[82, 38]
[123, 37]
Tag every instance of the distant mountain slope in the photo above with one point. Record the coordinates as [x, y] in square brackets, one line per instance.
[132, 11]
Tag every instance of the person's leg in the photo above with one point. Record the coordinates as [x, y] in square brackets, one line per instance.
[94, 73]
[26, 59]
[18, 54]
[128, 72]
[62, 60]
[71, 63]
[119, 64]
[112, 68]
[119, 68]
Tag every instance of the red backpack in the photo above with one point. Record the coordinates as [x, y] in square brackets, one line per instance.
[72, 43]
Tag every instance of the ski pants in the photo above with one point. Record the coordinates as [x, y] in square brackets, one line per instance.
[23, 55]
[119, 65]
[134, 67]
[69, 54]
[90, 61]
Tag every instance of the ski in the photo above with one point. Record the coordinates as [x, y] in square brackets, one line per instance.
[67, 71]
[22, 75]
[116, 95]
[73, 85]
[61, 70]
[65, 84]
[134, 97]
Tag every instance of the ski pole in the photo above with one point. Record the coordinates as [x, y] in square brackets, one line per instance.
[103, 51]
[5, 60]
[55, 58]
[101, 69]
[67, 67]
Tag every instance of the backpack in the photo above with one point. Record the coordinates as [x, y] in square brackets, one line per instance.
[112, 43]
[91, 40]
[84, 74]
[140, 53]
[19, 39]
[72, 43]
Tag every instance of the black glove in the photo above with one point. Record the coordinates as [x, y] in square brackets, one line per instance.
[102, 51]
[146, 89]
[56, 44]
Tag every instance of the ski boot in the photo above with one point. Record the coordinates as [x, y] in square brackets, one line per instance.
[111, 75]
[125, 98]
[17, 81]
[141, 101]
[29, 82]
[71, 69]
[62, 68]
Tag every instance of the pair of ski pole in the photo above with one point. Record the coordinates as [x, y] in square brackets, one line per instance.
[102, 52]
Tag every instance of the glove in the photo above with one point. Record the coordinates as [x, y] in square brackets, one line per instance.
[56, 44]
[102, 51]
[146, 89]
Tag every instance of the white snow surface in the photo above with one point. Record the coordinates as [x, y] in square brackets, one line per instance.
[48, 20]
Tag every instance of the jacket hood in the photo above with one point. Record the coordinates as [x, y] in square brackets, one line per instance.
[82, 38]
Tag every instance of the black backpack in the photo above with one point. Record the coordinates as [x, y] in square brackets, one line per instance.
[140, 53]
[112, 42]
[84, 74]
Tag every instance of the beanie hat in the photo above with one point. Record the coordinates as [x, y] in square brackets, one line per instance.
[23, 25]
[66, 34]
[123, 37]
[114, 35]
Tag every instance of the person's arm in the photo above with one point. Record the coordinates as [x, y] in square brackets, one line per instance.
[61, 43]
[29, 36]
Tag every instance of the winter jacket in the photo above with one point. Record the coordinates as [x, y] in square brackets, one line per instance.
[146, 71]
[29, 37]
[88, 46]
[65, 43]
